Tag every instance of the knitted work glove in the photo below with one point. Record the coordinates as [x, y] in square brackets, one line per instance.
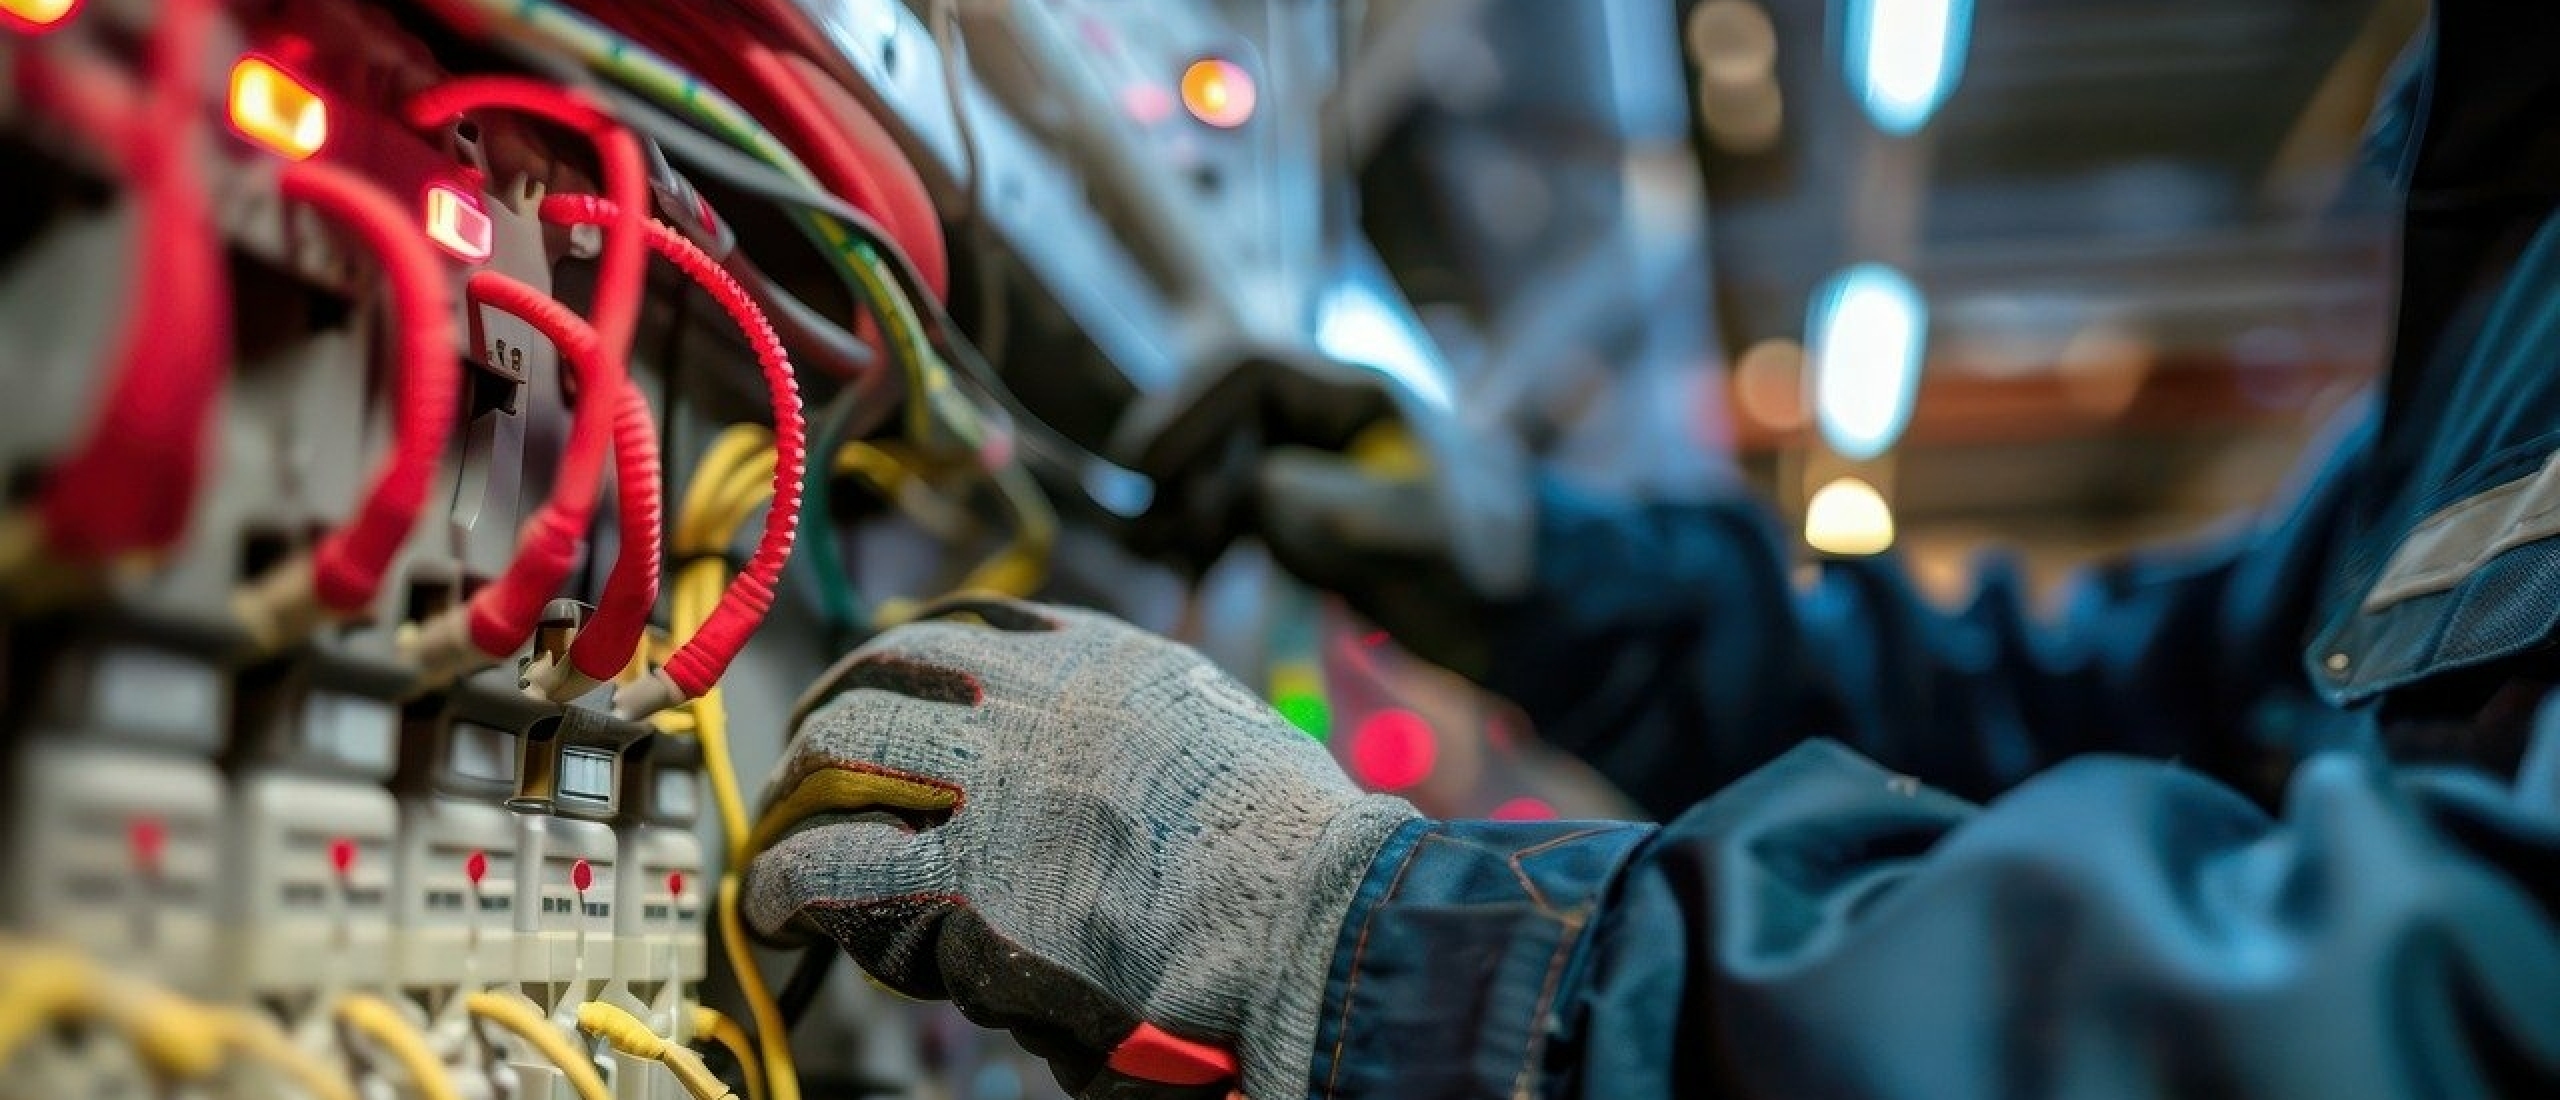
[1076, 831]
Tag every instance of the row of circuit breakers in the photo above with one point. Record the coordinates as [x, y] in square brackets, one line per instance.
[278, 833]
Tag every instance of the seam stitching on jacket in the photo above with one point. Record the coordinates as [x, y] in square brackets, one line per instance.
[1359, 952]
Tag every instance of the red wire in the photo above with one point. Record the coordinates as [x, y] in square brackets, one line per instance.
[622, 271]
[605, 644]
[349, 565]
[505, 613]
[907, 208]
[699, 663]
[609, 639]
[765, 68]
[129, 483]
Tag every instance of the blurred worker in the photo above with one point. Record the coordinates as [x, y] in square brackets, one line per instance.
[2269, 817]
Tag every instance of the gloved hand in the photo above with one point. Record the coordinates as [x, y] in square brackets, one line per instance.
[1076, 831]
[1358, 486]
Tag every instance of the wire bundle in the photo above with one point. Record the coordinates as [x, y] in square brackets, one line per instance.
[344, 573]
[147, 437]
[701, 659]
[503, 616]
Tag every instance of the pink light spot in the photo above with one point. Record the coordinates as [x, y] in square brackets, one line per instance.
[1393, 749]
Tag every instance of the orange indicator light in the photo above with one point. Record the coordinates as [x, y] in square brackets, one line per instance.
[458, 223]
[36, 16]
[1218, 92]
[271, 108]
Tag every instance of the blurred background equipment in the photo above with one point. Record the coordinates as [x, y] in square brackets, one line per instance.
[445, 436]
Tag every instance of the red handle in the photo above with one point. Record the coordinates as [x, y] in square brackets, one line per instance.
[1152, 1054]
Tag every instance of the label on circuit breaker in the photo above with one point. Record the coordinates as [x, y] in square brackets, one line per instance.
[158, 695]
[571, 895]
[357, 732]
[678, 795]
[587, 775]
[458, 874]
[480, 753]
[509, 347]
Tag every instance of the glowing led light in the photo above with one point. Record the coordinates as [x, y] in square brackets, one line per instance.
[1393, 749]
[476, 867]
[1524, 808]
[1905, 56]
[1865, 340]
[148, 839]
[1219, 93]
[675, 883]
[1309, 712]
[581, 876]
[1849, 518]
[36, 16]
[1297, 692]
[270, 107]
[342, 856]
[458, 224]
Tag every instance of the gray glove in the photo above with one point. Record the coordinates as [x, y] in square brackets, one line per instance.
[1076, 831]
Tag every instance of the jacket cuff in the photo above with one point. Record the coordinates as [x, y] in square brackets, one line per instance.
[1451, 961]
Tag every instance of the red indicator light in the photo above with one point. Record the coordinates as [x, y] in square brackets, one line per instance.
[342, 856]
[1393, 750]
[1218, 92]
[271, 108]
[581, 876]
[1525, 809]
[36, 16]
[149, 839]
[675, 883]
[459, 224]
[476, 868]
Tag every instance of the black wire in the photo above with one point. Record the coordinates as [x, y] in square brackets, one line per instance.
[746, 174]
[808, 976]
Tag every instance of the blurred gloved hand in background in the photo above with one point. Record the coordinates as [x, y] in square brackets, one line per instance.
[1358, 486]
[1076, 831]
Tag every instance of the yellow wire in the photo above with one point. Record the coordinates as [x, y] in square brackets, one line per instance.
[627, 1034]
[719, 1028]
[254, 1038]
[529, 1024]
[375, 1019]
[780, 1075]
[40, 988]
[717, 503]
[47, 985]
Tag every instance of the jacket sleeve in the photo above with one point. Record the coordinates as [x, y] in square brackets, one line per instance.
[1826, 928]
[1669, 646]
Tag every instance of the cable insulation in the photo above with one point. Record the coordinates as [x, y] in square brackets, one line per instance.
[350, 563]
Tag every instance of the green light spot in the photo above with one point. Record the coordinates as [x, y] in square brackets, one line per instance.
[1307, 711]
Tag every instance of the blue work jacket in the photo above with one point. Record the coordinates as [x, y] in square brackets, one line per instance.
[2270, 816]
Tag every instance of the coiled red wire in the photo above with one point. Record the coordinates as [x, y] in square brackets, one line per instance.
[699, 663]
[505, 613]
[129, 483]
[350, 563]
[605, 644]
[622, 271]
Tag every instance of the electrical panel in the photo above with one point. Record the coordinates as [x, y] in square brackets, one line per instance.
[442, 438]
